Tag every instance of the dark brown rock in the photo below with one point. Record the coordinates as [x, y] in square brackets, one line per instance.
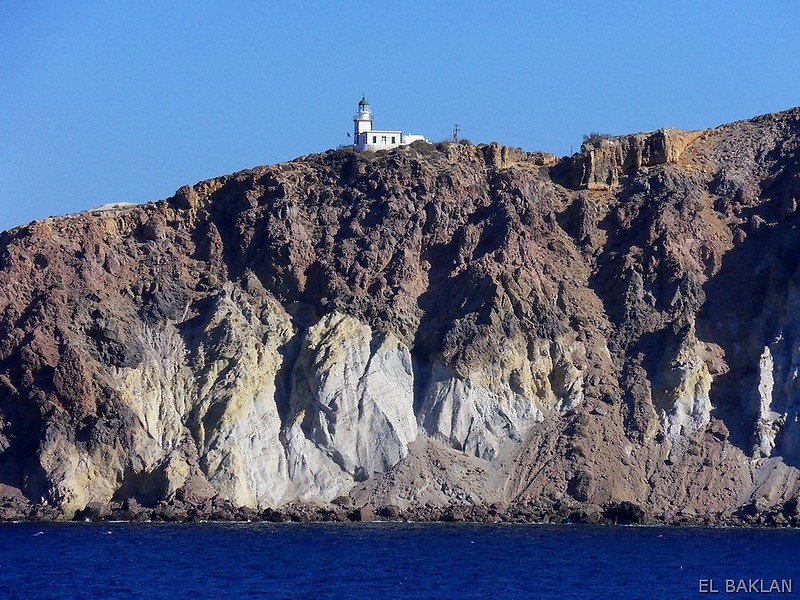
[391, 512]
[453, 515]
[625, 513]
[791, 508]
[94, 511]
[364, 514]
[580, 486]
[169, 512]
[588, 514]
[274, 516]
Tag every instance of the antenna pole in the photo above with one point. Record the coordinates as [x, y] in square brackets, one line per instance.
[456, 131]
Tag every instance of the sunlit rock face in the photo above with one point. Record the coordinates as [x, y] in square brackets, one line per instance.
[428, 325]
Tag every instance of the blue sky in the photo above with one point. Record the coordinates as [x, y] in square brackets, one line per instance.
[107, 102]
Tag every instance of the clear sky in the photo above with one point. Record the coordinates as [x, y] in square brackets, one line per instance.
[109, 101]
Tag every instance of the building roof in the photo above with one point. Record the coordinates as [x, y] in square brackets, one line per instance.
[363, 102]
[382, 131]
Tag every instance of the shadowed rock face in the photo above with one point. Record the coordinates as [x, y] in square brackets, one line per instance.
[431, 325]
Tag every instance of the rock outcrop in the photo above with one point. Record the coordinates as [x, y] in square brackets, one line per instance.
[436, 331]
[602, 163]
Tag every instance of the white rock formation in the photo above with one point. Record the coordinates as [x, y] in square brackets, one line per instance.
[273, 413]
[769, 421]
[682, 390]
[352, 399]
[476, 414]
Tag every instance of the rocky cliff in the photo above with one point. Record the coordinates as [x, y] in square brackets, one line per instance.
[437, 327]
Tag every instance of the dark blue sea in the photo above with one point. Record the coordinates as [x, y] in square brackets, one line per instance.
[389, 560]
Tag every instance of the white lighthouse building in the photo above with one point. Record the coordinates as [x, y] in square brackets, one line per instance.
[367, 138]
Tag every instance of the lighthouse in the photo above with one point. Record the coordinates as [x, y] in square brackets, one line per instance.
[367, 138]
[362, 122]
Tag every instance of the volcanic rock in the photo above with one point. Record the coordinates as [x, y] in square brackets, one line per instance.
[436, 328]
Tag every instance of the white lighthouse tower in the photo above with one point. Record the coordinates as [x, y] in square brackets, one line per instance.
[367, 138]
[362, 122]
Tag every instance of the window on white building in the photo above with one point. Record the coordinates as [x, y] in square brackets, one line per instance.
[374, 139]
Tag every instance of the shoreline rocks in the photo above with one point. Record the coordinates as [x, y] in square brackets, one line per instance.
[622, 513]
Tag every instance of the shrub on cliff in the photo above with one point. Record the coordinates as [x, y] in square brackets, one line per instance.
[593, 139]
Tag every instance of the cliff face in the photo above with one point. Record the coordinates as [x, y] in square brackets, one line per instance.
[435, 325]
